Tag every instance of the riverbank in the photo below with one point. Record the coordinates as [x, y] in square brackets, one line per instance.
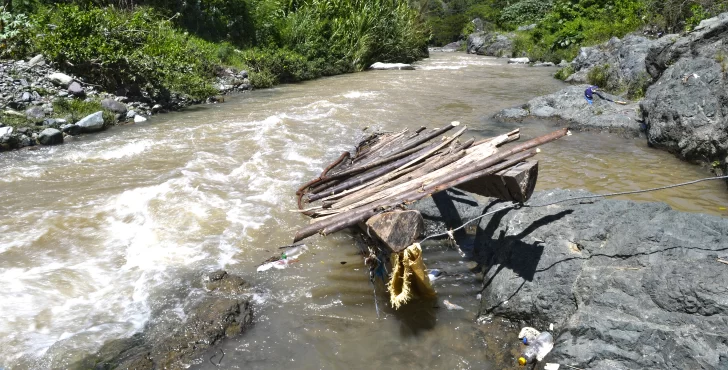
[40, 105]
[675, 87]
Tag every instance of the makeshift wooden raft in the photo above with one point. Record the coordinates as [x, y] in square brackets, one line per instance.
[388, 171]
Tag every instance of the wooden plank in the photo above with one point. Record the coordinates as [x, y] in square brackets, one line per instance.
[514, 184]
[396, 229]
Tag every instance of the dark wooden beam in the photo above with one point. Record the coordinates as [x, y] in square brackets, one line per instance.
[513, 184]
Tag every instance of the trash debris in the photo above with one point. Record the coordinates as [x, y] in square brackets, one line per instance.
[538, 349]
[408, 277]
[451, 306]
[551, 366]
[528, 334]
[434, 274]
[286, 258]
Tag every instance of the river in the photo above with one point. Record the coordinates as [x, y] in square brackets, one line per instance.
[108, 231]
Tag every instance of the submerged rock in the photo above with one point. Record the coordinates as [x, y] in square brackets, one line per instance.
[627, 285]
[224, 312]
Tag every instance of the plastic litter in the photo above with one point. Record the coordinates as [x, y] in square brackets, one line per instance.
[538, 349]
[434, 274]
[288, 257]
[551, 366]
[452, 306]
[528, 334]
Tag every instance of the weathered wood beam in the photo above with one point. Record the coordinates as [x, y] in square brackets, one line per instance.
[514, 184]
[397, 230]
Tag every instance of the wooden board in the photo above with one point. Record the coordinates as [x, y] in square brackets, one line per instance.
[396, 229]
[514, 184]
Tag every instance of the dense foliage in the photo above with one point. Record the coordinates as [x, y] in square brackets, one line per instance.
[160, 47]
[562, 26]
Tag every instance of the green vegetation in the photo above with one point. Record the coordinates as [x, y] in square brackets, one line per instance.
[562, 26]
[74, 110]
[564, 73]
[157, 48]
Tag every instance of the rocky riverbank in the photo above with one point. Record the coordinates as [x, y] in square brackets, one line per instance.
[40, 105]
[627, 285]
[678, 86]
[224, 311]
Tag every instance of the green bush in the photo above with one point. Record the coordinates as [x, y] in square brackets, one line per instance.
[564, 73]
[525, 11]
[75, 109]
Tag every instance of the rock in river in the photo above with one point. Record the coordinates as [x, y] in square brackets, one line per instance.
[92, 122]
[627, 285]
[50, 136]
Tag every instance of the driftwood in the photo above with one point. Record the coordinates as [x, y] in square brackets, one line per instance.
[392, 170]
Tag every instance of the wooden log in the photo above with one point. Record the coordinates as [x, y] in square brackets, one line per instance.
[396, 229]
[486, 167]
[514, 184]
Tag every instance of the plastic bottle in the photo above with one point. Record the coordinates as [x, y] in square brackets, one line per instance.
[538, 349]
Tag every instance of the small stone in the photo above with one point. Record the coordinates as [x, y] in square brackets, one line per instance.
[71, 129]
[243, 74]
[24, 130]
[26, 141]
[23, 82]
[26, 97]
[50, 136]
[139, 118]
[92, 122]
[76, 90]
[156, 108]
[63, 94]
[114, 106]
[35, 114]
[36, 60]
[130, 114]
[6, 131]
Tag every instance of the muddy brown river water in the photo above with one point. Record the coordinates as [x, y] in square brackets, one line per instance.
[106, 232]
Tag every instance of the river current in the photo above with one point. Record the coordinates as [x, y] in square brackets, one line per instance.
[108, 231]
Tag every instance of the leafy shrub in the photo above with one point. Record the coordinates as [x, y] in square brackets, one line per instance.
[75, 109]
[564, 73]
[525, 11]
[13, 33]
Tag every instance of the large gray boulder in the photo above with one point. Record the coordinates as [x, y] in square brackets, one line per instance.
[490, 44]
[114, 106]
[686, 110]
[627, 285]
[50, 136]
[92, 123]
[570, 107]
[622, 62]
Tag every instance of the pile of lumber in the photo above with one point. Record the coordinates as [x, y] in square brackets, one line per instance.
[390, 170]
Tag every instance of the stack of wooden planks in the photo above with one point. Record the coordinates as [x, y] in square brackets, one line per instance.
[390, 170]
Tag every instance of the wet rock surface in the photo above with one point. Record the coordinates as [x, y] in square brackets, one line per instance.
[569, 106]
[627, 285]
[223, 312]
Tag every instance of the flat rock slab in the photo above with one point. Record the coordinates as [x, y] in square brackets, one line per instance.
[570, 106]
[397, 229]
[627, 285]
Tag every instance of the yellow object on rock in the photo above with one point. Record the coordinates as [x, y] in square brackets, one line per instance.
[408, 278]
